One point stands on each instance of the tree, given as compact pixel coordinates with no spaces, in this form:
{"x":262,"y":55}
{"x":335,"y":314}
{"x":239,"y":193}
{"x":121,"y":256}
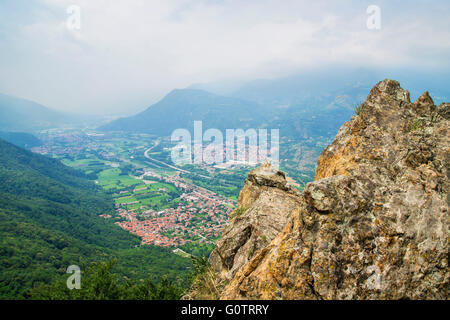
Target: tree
{"x":98,"y":282}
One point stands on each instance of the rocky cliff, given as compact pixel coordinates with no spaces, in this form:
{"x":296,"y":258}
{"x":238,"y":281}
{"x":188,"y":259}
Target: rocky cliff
{"x":264,"y":206}
{"x":372,"y":225}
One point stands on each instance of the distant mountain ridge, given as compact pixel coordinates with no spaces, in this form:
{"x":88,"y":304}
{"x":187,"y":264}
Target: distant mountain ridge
{"x":21,"y":139}
{"x":317,"y":102}
{"x":48,"y":220}
{"x":299,"y":116}
{"x":23,"y":115}
{"x":181,"y":107}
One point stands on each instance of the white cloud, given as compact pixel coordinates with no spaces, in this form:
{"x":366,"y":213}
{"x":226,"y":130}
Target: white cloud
{"x":128,"y":53}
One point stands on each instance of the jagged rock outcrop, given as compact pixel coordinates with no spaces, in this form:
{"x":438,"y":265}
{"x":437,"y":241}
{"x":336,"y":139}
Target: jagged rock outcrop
{"x":264,"y":205}
{"x":373,"y":224}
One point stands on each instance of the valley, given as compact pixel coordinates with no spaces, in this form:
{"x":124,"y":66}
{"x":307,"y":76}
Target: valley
{"x":163,"y":204}
{"x":153,"y":216}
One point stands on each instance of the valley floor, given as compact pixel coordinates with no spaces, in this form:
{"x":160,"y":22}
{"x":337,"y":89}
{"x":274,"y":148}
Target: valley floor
{"x":163,"y":206}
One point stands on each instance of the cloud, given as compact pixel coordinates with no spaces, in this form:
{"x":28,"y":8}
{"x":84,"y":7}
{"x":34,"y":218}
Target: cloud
{"x":128,"y":53}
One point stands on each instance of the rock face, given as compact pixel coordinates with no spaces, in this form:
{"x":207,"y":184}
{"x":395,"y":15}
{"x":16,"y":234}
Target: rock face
{"x":372,"y":225}
{"x":264,"y":205}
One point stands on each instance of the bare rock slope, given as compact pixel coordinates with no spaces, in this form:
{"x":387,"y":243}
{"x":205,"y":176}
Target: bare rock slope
{"x":373,"y":224}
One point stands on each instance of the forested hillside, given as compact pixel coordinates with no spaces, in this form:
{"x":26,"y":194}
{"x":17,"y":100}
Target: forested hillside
{"x":49,"y":220}
{"x":21,"y":139}
{"x":180,"y":108}
{"x":18,"y":114}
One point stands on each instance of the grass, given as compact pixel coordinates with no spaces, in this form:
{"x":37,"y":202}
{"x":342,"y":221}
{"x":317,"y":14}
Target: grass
{"x":157,"y":195}
{"x":417,"y":125}
{"x":111,"y":178}
{"x":357,"y":108}
{"x":160,"y":185}
{"x":151,"y":197}
{"x":204,"y":284}
{"x":238,"y":212}
{"x":125,"y":200}
{"x":90,"y":162}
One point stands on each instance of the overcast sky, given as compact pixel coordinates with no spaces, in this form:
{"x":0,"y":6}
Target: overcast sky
{"x":130,"y":53}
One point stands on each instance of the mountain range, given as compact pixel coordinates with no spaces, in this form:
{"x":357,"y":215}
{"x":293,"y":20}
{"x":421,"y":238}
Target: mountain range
{"x":311,"y":115}
{"x":181,"y":107}
{"x":22,"y":115}
{"x":303,"y":105}
{"x":21,"y":139}
{"x":307,"y":105}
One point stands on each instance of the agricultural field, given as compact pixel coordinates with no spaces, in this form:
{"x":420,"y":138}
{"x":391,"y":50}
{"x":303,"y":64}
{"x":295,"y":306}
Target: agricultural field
{"x":164,"y":205}
{"x":113,"y":179}
{"x":129,"y":192}
{"x":141,"y":197}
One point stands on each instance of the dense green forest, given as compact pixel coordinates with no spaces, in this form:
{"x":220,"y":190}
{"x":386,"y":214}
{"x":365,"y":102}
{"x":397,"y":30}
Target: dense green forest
{"x":49,"y":220}
{"x":21,"y":139}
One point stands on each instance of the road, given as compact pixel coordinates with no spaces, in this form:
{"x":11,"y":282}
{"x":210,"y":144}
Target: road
{"x":169,"y":165}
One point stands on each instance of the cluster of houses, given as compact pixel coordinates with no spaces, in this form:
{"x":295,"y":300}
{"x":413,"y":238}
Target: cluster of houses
{"x":249,"y":155}
{"x":200,"y":216}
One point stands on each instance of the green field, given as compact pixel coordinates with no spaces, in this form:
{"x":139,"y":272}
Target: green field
{"x":156,"y":196}
{"x":111,"y":178}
